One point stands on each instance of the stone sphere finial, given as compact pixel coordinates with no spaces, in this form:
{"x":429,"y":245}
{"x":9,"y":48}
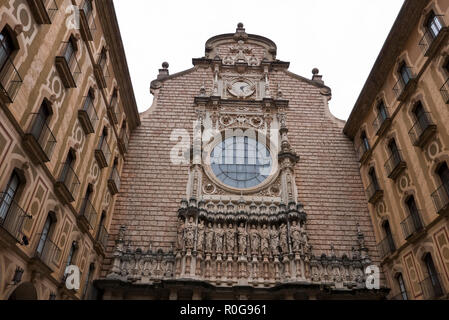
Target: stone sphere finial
{"x":165,"y":65}
{"x":240,"y":25}
{"x":315,"y":71}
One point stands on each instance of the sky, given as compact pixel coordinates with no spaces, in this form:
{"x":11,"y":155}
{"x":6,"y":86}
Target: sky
{"x":340,"y":38}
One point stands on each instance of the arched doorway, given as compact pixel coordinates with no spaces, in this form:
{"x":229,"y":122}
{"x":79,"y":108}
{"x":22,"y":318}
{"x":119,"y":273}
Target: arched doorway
{"x":25,"y":291}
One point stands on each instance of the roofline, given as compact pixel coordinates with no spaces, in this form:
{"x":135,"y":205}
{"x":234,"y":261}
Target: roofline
{"x":406,"y":20}
{"x":256,"y":37}
{"x":109,"y":23}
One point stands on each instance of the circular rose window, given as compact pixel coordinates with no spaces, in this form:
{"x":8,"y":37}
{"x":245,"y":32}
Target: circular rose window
{"x":241,"y":162}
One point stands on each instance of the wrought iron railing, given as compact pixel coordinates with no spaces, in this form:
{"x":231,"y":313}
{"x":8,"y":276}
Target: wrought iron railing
{"x":104,"y":148}
{"x":88,"y":212}
{"x":47,"y":251}
{"x":72,"y":61}
{"x":386,"y":247}
{"x":12,"y":217}
{"x":10,"y":79}
{"x":423,"y":123}
{"x":432,"y":287}
{"x":69,"y":179}
{"x":445,"y":91}
{"x":401,"y":84}
{"x":124,"y":138}
{"x":429,"y":37}
{"x":113,"y":109}
{"x":43,"y":134}
{"x":51,"y":7}
{"x":381,"y":119}
{"x":115,"y":178}
{"x":393,"y":162}
{"x":88,"y":12}
{"x":362,"y":150}
{"x":441,"y":197}
{"x":103,"y":237}
{"x":89,"y":109}
{"x":412,"y":224}
{"x":372,"y":190}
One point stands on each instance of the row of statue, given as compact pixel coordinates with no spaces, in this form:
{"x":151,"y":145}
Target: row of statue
{"x":242,"y":239}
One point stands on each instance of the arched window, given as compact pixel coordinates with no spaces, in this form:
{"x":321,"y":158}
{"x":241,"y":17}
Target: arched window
{"x":9,"y":195}
{"x":433,"y":25}
{"x":45,"y":235}
{"x":68,"y":165}
{"x":42,"y":120}
{"x":402,"y":287}
{"x":70,"y":51}
{"x":86,"y":204}
{"x":394,"y":151}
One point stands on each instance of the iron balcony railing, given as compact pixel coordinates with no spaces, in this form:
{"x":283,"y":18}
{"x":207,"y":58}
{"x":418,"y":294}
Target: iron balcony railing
{"x":386,"y":247}
{"x":441,"y":197}
{"x":51,"y":7}
{"x":445,"y":91}
{"x":124,"y":140}
{"x":393,"y":164}
{"x":69,"y":179}
{"x":114,"y":181}
{"x":103,"y":153}
{"x":10,"y":79}
{"x":429,"y":37}
{"x":88,"y":213}
{"x":43,"y":134}
{"x":12,"y":217}
{"x":432,"y":287}
{"x":381,"y":120}
{"x":86,"y":13}
{"x":362,"y":151}
{"x":373,"y":192}
{"x":43,"y":10}
{"x":412,"y":224}
{"x":113,"y":109}
{"x":88,"y":116}
{"x":401,"y":85}
{"x":422,"y":124}
{"x":103,"y":237}
{"x":72,"y":62}
{"x":47,"y":251}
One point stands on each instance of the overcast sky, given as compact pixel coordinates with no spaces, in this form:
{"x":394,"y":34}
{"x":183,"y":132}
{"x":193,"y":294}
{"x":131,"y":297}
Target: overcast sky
{"x":341,"y":38}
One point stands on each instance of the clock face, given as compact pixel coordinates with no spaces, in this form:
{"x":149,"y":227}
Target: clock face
{"x":241,"y":162}
{"x":242,"y":89}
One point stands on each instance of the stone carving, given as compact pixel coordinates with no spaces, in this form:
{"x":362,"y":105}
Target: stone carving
{"x":230,"y":239}
{"x":274,"y":241}
{"x":180,"y":235}
{"x":219,"y":234}
{"x":200,"y":236}
{"x":243,"y":239}
{"x":265,"y":240}
{"x":283,"y":238}
{"x":209,"y":238}
{"x":189,"y":234}
{"x":255,"y":240}
{"x":296,"y":237}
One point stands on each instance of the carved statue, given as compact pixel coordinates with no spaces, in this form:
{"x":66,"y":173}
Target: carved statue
{"x":274,"y":240}
{"x":219,"y":234}
{"x":230,"y":239}
{"x":180,"y":239}
{"x":265,"y":240}
{"x":296,"y":237}
{"x":200,"y":236}
{"x":243,"y":239}
{"x":255,"y":240}
{"x":283,"y":238}
{"x":189,"y":237}
{"x":209,"y":237}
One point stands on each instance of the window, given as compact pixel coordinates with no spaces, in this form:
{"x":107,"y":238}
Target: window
{"x":103,"y":138}
{"x":88,"y":280}
{"x":433,"y":25}
{"x":69,"y":53}
{"x":42,"y":120}
{"x":365,"y":141}
{"x":389,"y":236}
{"x":443,"y":174}
{"x":102,"y":222}
{"x":421,"y":116}
{"x":7,"y":47}
{"x":88,"y":8}
{"x":241,"y":162}
{"x":433,"y":275}
{"x":72,"y":252}
{"x":70,"y":160}
{"x":103,"y":59}
{"x":45,"y":234}
{"x":373,"y":178}
{"x":394,"y":151}
{"x":90,"y":98}
{"x":414,"y":212}
{"x":9,"y":195}
{"x":86,"y":200}
{"x":402,"y":287}
{"x":382,"y":111}
{"x":405,"y":74}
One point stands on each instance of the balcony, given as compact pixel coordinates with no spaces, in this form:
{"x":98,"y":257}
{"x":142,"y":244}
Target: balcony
{"x":113,"y":110}
{"x":68,"y":184}
{"x":403,"y":89}
{"x":88,"y":117}
{"x":43,"y":10}
{"x":102,"y":240}
{"x":114,"y":182}
{"x":382,"y":122}
{"x":12,"y":219}
{"x":386,"y":247}
{"x":363,"y":152}
{"x":10,"y":81}
{"x":123,"y":141}
{"x":374,"y":193}
{"x":432,"y":287}
{"x":441,"y":199}
{"x":429,"y":43}
{"x":412,"y":225}
{"x":103,"y":153}
{"x":68,"y":69}
{"x":87,"y":21}
{"x":39,"y":141}
{"x":87,"y":216}
{"x":422,"y":130}
{"x":395,"y":165}
{"x":47,"y":253}
{"x":445,"y":91}
{"x":102,"y":75}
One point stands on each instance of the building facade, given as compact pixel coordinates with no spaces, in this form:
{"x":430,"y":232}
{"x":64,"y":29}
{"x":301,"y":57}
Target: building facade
{"x":400,"y":129}
{"x":67,"y":109}
{"x":240,"y":184}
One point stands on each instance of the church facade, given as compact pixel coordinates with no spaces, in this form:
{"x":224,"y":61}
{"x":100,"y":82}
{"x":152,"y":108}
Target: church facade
{"x":240,"y":184}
